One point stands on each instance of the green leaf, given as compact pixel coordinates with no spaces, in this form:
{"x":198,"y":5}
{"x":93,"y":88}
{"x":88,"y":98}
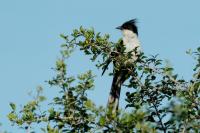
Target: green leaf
{"x":42,"y":98}
{"x":89,"y":104}
{"x":13,"y":106}
{"x":198,"y":49}
{"x":102,"y":120}
{"x":63,"y":36}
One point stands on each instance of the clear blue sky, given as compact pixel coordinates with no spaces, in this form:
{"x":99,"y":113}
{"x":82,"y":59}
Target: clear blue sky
{"x":30,"y":42}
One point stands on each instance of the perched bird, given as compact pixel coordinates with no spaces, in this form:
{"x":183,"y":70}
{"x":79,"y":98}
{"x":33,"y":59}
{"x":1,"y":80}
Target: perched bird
{"x":130,"y":43}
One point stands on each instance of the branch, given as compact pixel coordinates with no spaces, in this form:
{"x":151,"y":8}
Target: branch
{"x":160,"y":119}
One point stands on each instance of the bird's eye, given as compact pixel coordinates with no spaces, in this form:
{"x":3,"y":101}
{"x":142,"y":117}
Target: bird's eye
{"x":128,"y":27}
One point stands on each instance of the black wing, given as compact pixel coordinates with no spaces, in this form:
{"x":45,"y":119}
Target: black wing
{"x":117,"y":50}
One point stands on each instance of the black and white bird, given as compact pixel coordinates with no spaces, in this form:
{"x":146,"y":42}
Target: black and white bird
{"x":131,"y":43}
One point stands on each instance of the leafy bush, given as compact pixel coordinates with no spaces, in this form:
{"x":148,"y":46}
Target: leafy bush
{"x":158,"y":100}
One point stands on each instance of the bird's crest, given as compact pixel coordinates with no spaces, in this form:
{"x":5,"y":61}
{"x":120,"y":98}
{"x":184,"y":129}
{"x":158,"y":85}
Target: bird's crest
{"x":130,"y":25}
{"x":130,"y":22}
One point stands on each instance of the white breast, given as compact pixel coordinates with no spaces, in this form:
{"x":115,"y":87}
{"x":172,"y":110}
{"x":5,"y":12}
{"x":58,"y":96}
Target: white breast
{"x":130,"y":40}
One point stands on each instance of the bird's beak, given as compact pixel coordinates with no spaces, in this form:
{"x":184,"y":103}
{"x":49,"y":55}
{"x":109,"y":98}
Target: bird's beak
{"x":119,"y":28}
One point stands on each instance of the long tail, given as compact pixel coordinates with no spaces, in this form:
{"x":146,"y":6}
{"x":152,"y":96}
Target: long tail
{"x":113,"y":100}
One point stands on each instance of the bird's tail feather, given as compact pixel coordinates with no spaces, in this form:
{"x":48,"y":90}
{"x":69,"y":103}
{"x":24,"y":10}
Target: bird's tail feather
{"x":113,"y":100}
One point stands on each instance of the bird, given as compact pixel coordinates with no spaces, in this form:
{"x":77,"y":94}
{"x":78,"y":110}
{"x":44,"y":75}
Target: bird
{"x":129,"y":43}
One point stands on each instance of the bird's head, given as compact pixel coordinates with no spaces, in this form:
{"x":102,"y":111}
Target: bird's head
{"x":129,"y":26}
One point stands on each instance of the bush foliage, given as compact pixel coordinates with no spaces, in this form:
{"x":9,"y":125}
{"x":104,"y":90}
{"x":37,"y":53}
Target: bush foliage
{"x":158,"y":100}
